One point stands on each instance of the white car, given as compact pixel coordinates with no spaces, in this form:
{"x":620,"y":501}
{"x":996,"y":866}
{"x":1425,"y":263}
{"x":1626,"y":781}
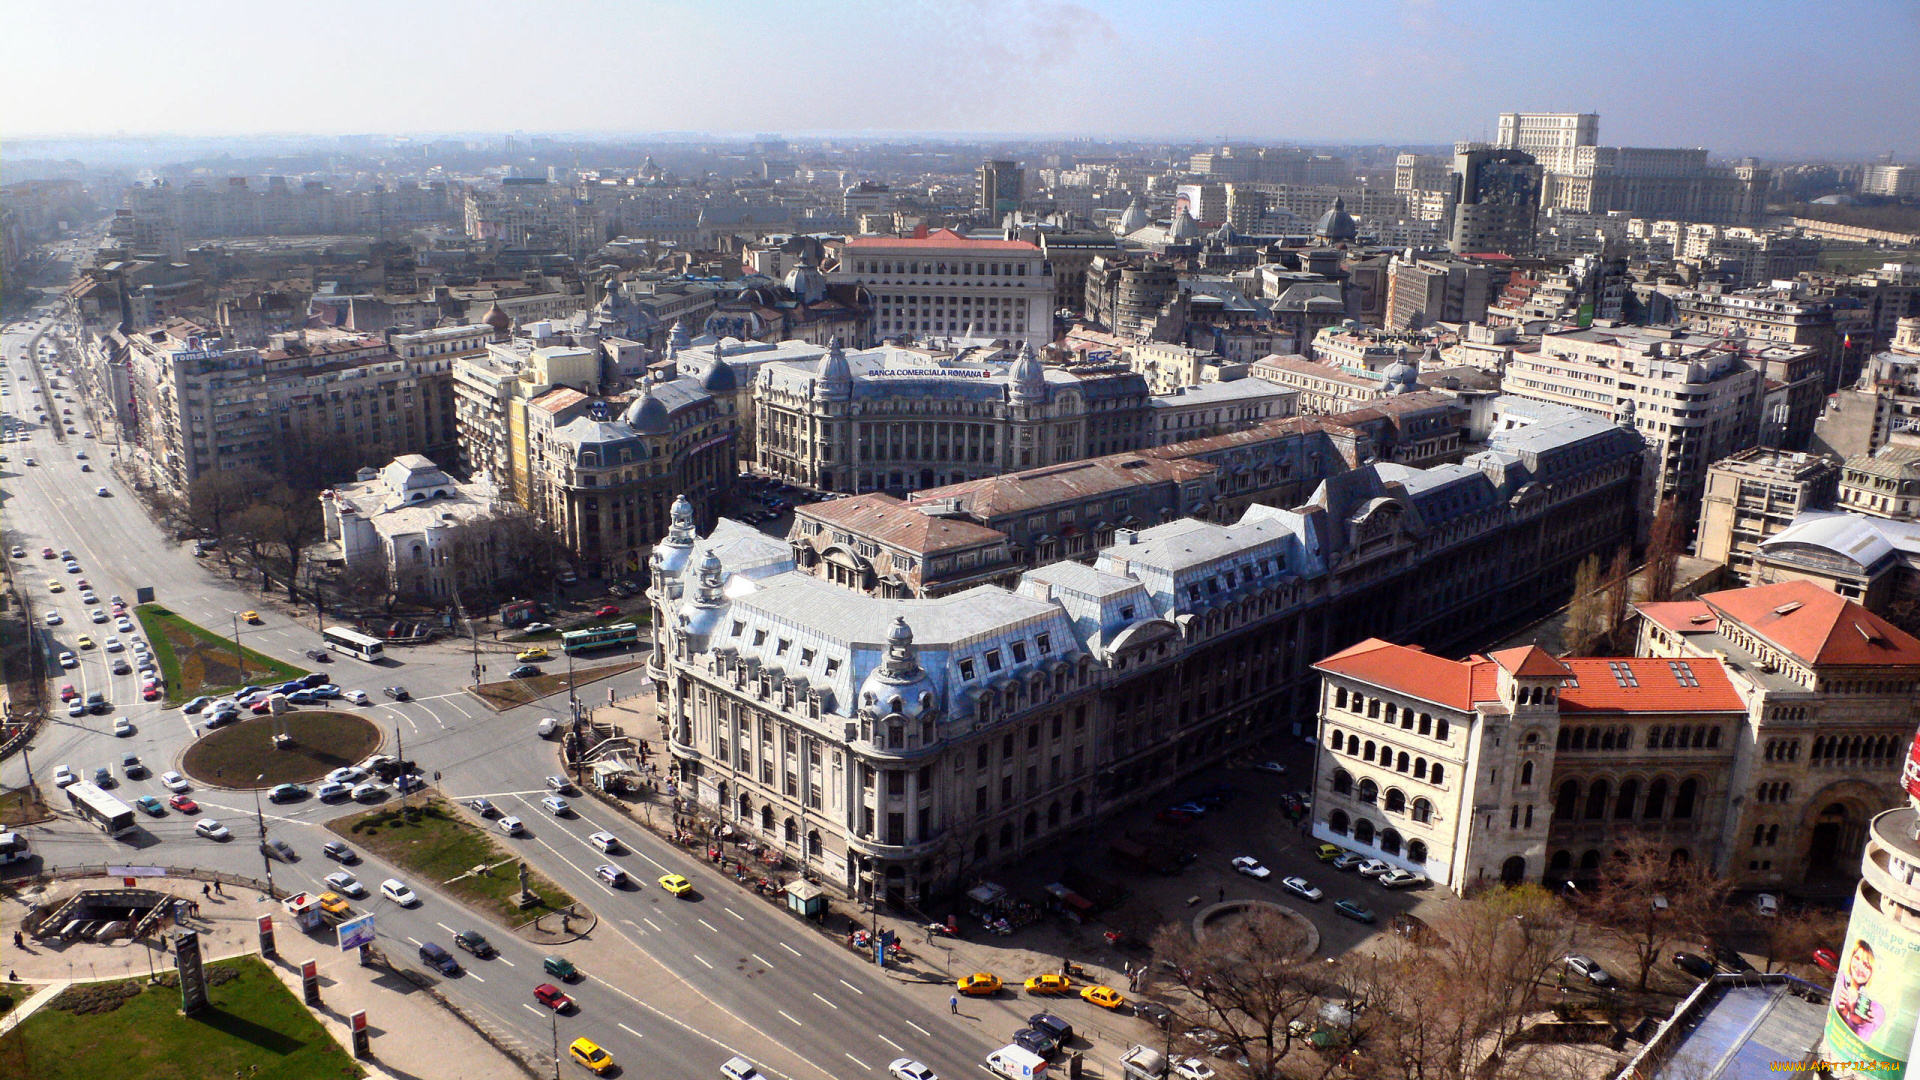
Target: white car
{"x":112,"y":644}
{"x":909,"y":1069}
{"x":54,"y":618}
{"x":173,"y":781}
{"x":396,"y":890}
{"x":1271,"y":766}
{"x":358,"y":697}
{"x":345,"y":884}
{"x":605,"y":841}
{"x":68,"y":660}
{"x":1372,"y":868}
{"x":511,"y":825}
{"x":1192,"y":1068}
{"x":557,"y":806}
{"x":97,"y":615}
{"x":211,"y":829}
{"x":1251,"y":867}
{"x":1301,"y":887}
{"x":612,"y":875}
{"x":346,"y":774}
{"x":1397,"y":878}
{"x":62,"y":776}
{"x":1767,"y":904}
{"x":100,"y":491}
{"x":369,"y":791}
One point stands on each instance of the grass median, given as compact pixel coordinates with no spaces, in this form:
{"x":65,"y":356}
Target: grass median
{"x":510,"y":693}
{"x":196,"y":661}
{"x":441,"y":849}
{"x":252,"y":1027}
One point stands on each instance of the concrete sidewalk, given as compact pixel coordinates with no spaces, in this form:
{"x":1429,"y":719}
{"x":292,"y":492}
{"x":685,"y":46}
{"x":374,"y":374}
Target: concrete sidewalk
{"x":32,"y":1004}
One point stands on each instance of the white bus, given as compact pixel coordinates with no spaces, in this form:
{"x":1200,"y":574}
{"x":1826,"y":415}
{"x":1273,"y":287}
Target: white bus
{"x":114,"y":817}
{"x":353,"y":643}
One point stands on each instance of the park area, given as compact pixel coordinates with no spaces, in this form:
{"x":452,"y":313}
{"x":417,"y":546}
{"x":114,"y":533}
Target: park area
{"x":253,"y":1027}
{"x":318,"y":743}
{"x":435,"y":845}
{"x":511,"y":693}
{"x":196,"y":661}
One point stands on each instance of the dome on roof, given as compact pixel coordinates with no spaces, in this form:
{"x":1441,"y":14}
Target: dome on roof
{"x":1403,"y":375}
{"x":806,"y":282}
{"x":1029,"y":377}
{"x":1183,"y":227}
{"x":648,"y":415}
{"x":835,"y":374}
{"x":719,"y":378}
{"x":497,"y":318}
{"x":1337,"y":224}
{"x":1133,"y":219}
{"x":899,"y":685}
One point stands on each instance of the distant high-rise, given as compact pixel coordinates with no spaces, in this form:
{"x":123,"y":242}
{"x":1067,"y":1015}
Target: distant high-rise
{"x":1545,"y":134}
{"x":1001,"y":185}
{"x":1496,"y":196}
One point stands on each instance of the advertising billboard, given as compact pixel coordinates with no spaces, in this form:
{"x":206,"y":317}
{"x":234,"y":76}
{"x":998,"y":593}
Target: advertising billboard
{"x":1875,"y":993}
{"x":356,"y":932}
{"x":1910,"y":776}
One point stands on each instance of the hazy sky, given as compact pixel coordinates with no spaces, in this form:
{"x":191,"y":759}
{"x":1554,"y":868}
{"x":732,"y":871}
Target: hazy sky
{"x":1824,"y":76}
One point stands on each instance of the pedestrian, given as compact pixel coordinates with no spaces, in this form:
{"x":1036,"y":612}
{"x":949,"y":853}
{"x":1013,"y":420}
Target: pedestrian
{"x":1223,"y":894}
{"x":206,"y":890}
{"x":953,"y":1003}
{"x":18,"y":941}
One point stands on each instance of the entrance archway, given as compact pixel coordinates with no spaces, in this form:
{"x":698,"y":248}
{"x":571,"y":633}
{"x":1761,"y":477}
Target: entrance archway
{"x":1835,"y":840}
{"x":1513,"y":871}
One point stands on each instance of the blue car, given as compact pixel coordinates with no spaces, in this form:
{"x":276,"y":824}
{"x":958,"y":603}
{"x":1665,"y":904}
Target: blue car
{"x":196,"y":705}
{"x":1196,"y":809}
{"x":325,"y":690}
{"x":290,"y":687}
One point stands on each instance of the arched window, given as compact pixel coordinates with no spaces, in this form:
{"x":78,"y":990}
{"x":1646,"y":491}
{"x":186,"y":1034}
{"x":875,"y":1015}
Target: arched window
{"x":766,"y":819}
{"x":1337,"y":822}
{"x":1417,"y":852}
{"x":1562,"y":860}
{"x":1526,"y":774}
{"x":1439,"y":774}
{"x":1420,"y":768}
{"x":1426,"y":724}
{"x":1422,"y":810}
{"x":1713,"y":736}
{"x":1653,"y":737}
{"x":1404,"y":761}
{"x":746,"y":808}
{"x":1342,"y":782}
{"x":790,"y":830}
{"x":1366,"y":753}
{"x":1369,"y":791}
{"x":1440,"y":730}
{"x":1623,"y":804}
{"x":1363,"y":831}
{"x":1596,"y":800}
{"x":1683,"y":800}
{"x":1396,"y":801}
{"x":1656,"y":801}
{"x":1390,"y":841}
{"x":1567,"y":800}
{"x":1590,"y":861}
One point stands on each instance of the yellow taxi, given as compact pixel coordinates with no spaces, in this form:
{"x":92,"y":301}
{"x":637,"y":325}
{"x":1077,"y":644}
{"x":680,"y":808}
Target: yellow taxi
{"x":676,"y":884}
{"x":1049,"y":984}
{"x":85,"y":641}
{"x":534,"y":653}
{"x":1104,"y":996}
{"x":1328,"y":852}
{"x":54,"y":586}
{"x":588,"y":1053}
{"x":979,"y":984}
{"x":250,"y":616}
{"x":335,"y":904}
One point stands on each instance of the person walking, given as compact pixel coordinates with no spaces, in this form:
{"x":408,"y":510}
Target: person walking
{"x":953,"y":1004}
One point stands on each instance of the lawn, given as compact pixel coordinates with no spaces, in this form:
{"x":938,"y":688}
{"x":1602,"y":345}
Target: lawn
{"x":232,"y":756}
{"x":18,"y":807}
{"x":254,"y":1028}
{"x":509,"y":693}
{"x":437,"y":846}
{"x":195,"y":660}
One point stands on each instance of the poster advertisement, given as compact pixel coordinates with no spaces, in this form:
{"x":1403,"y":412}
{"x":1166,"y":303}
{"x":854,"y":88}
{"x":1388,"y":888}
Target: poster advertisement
{"x":1875,"y":993}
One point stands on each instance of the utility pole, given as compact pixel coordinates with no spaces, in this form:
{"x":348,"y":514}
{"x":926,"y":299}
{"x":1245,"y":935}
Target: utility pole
{"x":553,"y":1019}
{"x":260,"y":819}
{"x":400,"y":751}
{"x":239,"y":657}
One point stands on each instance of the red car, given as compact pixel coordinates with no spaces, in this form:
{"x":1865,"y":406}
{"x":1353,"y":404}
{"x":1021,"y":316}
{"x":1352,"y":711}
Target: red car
{"x":67,"y":692}
{"x":607,"y":612}
{"x":262,"y":707}
{"x":1173,"y":816}
{"x":151,"y":693}
{"x":46,"y":553}
{"x":184,"y":804}
{"x":82,"y":585}
{"x":549,"y":995}
{"x":1827,"y":959}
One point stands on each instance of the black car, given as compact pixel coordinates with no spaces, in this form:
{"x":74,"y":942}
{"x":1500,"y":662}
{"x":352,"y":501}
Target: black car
{"x":1693,"y":964}
{"x":1061,"y":1031}
{"x":1154,"y":1013}
{"x":397,"y":693}
{"x":318,"y":678}
{"x":474,"y":942}
{"x":439,"y":959}
{"x":1035,"y":1040}
{"x":338,"y":850}
{"x":319,"y":656}
{"x":1730,"y":959}
{"x":524,"y":671}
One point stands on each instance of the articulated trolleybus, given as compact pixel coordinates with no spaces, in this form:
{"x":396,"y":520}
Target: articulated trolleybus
{"x":114,"y":817}
{"x":617,"y":636}
{"x":353,"y":643}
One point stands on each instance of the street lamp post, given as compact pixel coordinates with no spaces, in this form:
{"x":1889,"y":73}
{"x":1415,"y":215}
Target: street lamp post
{"x":239,"y":657}
{"x":260,"y":819}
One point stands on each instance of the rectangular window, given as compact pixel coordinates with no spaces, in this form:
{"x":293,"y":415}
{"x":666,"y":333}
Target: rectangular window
{"x":1006,"y":790}
{"x":1019,"y":652}
{"x":1045,"y":643}
{"x":980,"y":799}
{"x":993,"y":659}
{"x":966,"y":669}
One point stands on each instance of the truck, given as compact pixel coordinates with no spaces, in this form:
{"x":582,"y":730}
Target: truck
{"x":13,"y":848}
{"x":1017,"y":1063}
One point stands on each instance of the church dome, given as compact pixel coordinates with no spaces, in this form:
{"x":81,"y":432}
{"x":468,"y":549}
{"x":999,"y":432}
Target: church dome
{"x":498,"y":319}
{"x":1337,"y":224}
{"x":899,"y":685}
{"x":1133,"y":219}
{"x":648,"y":416}
{"x":836,"y":375}
{"x":719,"y":378}
{"x":1183,"y":227}
{"x":805,"y":281}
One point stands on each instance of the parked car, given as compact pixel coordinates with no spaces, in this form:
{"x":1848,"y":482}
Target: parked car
{"x":1372,"y":868}
{"x":1348,"y":860}
{"x":524,"y":671}
{"x":1766,"y":905}
{"x":1397,"y":878}
{"x":1693,"y":964}
{"x":1271,"y":766}
{"x":482,"y":805}
{"x":1355,"y":910}
{"x":606,"y":611}
{"x":1586,"y":967}
{"x":1301,"y":887}
{"x":1250,"y":866}
{"x":330,"y":791}
{"x":287,"y":793}
{"x":978,"y":984}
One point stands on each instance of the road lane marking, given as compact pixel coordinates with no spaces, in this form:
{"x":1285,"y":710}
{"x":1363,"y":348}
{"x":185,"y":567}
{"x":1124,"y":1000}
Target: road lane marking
{"x":709,"y":925}
{"x":857,"y":1061}
{"x":703,"y":960}
{"x":734,"y":913}
{"x":505,"y":961}
{"x":651,"y":923}
{"x":530,"y":1009}
{"x":416,"y":944}
{"x":824,"y":1001}
{"x":853,"y":988}
{"x":783,"y":1012}
{"x":629,"y":1030}
{"x":474,"y":977}
{"x":760,"y":958}
{"x":918,"y":1028}
{"x":790,"y":948}
{"x":443,"y":926}
{"x":891,"y":1043}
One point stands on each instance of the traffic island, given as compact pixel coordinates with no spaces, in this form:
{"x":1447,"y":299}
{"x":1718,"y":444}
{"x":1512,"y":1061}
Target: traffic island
{"x":513,"y":693}
{"x":317,"y":743}
{"x":435,"y":844}
{"x":194,"y":660}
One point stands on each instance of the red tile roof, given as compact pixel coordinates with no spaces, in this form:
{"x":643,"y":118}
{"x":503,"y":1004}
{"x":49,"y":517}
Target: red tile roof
{"x":941,"y":238}
{"x":1529,"y":661}
{"x":1412,"y":672}
{"x":1816,"y":626}
{"x":1641,"y":684}
{"x":884,"y":519}
{"x":1681,"y":616}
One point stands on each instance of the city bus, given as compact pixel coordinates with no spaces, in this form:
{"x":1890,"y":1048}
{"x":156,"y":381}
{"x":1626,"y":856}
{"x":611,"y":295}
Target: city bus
{"x":114,"y":817}
{"x":353,"y":643}
{"x":617,"y":636}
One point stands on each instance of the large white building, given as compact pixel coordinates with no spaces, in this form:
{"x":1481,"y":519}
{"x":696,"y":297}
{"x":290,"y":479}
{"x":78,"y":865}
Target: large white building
{"x":947,"y":286}
{"x":404,"y":521}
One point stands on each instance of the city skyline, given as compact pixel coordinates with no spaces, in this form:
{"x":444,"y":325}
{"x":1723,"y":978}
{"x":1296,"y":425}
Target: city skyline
{"x":1439,"y":72}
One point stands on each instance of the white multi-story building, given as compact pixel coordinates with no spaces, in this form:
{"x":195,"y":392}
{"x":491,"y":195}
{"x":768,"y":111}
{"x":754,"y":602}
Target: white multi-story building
{"x":404,"y":521}
{"x":1547,"y":134}
{"x":947,"y":286}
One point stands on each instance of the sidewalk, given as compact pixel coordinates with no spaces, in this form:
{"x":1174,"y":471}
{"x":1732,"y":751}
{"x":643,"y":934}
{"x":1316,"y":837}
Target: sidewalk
{"x":436,"y":1042}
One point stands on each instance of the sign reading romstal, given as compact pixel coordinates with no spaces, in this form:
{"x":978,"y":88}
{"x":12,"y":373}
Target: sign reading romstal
{"x":356,"y":932}
{"x":193,"y":976}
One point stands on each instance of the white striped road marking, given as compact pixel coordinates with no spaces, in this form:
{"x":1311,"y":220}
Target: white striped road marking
{"x":734,"y":913}
{"x":709,"y":925}
{"x":790,"y":948}
{"x":919,"y":1029}
{"x":416,"y":944}
{"x":474,"y":977}
{"x":760,"y":958}
{"x":703,"y":960}
{"x":783,"y":1012}
{"x":444,"y":926}
{"x":857,"y":1061}
{"x":825,"y":1001}
{"x":455,"y":702}
{"x":853,"y":988}
{"x":630,"y":1031}
{"x":504,"y":960}
{"x":891,"y":1043}
{"x":651,"y":923}
{"x":531,"y":1009}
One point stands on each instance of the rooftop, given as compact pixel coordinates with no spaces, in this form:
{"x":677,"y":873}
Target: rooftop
{"x":1816,"y":626}
{"x":886,"y":520}
{"x":1012,"y":493}
{"x":940,"y":238}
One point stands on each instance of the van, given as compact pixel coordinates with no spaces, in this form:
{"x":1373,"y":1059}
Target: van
{"x":439,"y":959}
{"x":1017,"y":1063}
{"x":559,"y":967}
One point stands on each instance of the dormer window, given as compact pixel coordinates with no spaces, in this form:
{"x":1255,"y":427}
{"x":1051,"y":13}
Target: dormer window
{"x":966,"y":669}
{"x":993,"y":659}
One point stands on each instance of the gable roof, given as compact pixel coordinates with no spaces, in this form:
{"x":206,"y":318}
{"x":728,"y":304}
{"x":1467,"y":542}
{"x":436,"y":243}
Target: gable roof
{"x":1644,"y":684}
{"x":1816,"y":626}
{"x":1529,"y":661}
{"x":885,"y":519}
{"x":1413,"y":672}
{"x":941,"y":238}
{"x":1681,"y":616}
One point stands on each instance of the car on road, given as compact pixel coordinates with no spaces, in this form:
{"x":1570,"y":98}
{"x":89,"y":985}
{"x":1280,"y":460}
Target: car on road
{"x":1353,"y":909}
{"x":606,"y":611}
{"x":319,"y":656}
{"x":329,"y":791}
{"x":62,"y":776}
{"x":1034,"y":1040}
{"x":123,"y":727}
{"x":560,"y":968}
{"x":19,"y":552}
{"x":68,"y":660}
{"x":559,"y":785}
{"x":287,"y":793}
{"x":978,"y":984}
{"x":1302,"y":888}
{"x":1348,"y":860}
{"x":396,"y":890}
{"x":527,"y":656}
{"x":102,"y":492}
{"x":1397,"y":878}
{"x":347,"y":774}
{"x":675,"y":884}
{"x":103,"y":777}
{"x":1192,"y":1068}
{"x":483,"y":806}
{"x":1250,"y":866}
{"x":1049,"y":984}
{"x":212,"y":829}
{"x":512,"y":826}
{"x":173,"y":781}
{"x":1104,"y":996}
{"x":85,"y":641}
{"x":438,"y":959}
{"x":524,"y":671}
{"x":1372,"y":868}
{"x":250,"y":616}
{"x":605,"y":841}
{"x":151,"y":805}
{"x":1271,"y":766}
{"x":183,"y":804}
{"x":557,"y":806}
{"x":277,"y":848}
{"x":78,"y":708}
{"x":474,"y":942}
{"x":56,"y":585}
{"x":334,"y":904}
{"x":536,"y":628}
{"x":345,"y":884}
{"x":358,"y":697}
{"x":552,"y":997}
{"x":613,"y":876}
{"x":48,"y":553}
{"x":338,"y":851}
{"x":196,"y":705}
{"x":909,"y":1069}
{"x":1693,"y":964}
{"x":132,"y":766}
{"x":397,"y":693}
{"x":1589,"y":969}
{"x":590,"y":1054}
{"x":324,"y":692}
{"x":739,"y":1068}
{"x":369,"y":791}
{"x":54,"y":618}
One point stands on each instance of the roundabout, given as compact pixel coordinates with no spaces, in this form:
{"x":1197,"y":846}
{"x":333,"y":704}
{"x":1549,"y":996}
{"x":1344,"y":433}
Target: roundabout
{"x":1229,"y":916}
{"x":318,"y":742}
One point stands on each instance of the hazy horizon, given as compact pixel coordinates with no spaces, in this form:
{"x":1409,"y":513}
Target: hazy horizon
{"x":1770,"y":78}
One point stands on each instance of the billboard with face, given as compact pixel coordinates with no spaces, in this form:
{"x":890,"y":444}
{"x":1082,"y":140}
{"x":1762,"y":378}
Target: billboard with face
{"x":1876,"y":991}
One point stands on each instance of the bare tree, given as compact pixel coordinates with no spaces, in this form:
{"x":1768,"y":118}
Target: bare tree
{"x":1619,"y":595}
{"x":1586,"y":611}
{"x":295,"y":524}
{"x":366,"y":583}
{"x":1663,"y":552}
{"x":1650,"y":904}
{"x":213,"y":498}
{"x":1792,"y":935}
{"x":1249,"y":979}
